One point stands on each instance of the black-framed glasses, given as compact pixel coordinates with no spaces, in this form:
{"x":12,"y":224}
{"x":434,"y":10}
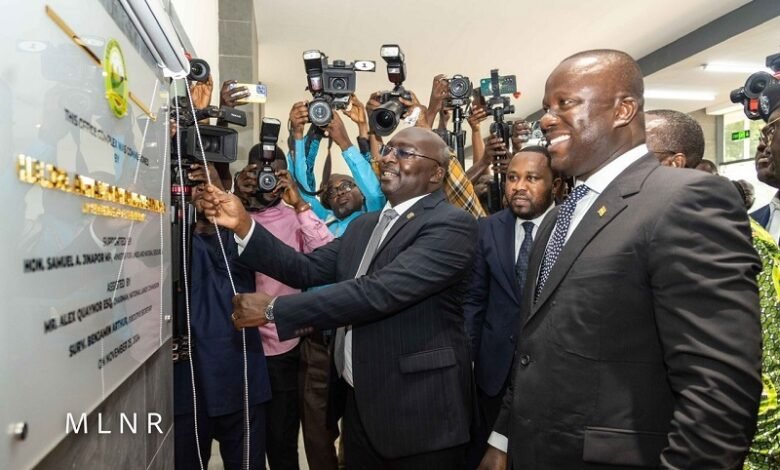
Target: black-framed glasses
{"x":402,"y":154}
{"x":346,"y":186}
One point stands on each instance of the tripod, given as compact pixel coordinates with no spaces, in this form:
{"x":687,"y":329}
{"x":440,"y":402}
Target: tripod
{"x":458,"y":134}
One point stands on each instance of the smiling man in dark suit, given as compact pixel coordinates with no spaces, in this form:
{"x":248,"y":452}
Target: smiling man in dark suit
{"x":492,"y":306}
{"x":640,"y":343}
{"x":399,"y":279}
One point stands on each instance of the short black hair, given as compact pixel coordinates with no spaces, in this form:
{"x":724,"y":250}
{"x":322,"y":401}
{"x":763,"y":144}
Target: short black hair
{"x":708,"y":166}
{"x":680,"y":133}
{"x":536,"y":149}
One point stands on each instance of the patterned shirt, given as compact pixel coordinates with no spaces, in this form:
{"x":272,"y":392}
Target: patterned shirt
{"x":764,"y":453}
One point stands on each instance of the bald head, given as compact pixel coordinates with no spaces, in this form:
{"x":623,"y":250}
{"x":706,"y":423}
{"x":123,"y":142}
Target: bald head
{"x":594,"y":102}
{"x":434,"y":146}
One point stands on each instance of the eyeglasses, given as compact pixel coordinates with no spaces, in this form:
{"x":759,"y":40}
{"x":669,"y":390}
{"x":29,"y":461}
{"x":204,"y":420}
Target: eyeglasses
{"x":769,"y":130}
{"x":346,"y":186}
{"x":402,"y":154}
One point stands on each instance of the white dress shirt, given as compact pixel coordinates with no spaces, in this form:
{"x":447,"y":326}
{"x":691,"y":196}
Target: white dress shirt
{"x":597,"y":183}
{"x":773,"y":223}
{"x":400,"y":209}
{"x":520,"y":231}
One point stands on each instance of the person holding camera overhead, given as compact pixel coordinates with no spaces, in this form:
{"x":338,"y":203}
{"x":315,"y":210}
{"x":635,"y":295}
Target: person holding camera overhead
{"x":290,"y":219}
{"x":344,"y":197}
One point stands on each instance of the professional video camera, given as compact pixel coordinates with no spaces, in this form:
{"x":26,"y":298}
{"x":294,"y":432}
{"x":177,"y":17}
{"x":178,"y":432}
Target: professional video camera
{"x":750,"y":94}
{"x":385,"y":118}
{"x":220,"y":144}
{"x":330,"y":84}
{"x":496,"y":90}
{"x":269,"y":135}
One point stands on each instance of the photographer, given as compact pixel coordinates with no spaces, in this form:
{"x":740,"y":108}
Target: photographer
{"x":457,"y":187}
{"x":289,"y":218}
{"x":217,"y":355}
{"x":337,"y":215}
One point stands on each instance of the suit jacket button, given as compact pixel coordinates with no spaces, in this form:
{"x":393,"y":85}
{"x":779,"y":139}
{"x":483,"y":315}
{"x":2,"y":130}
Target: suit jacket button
{"x":525,"y":359}
{"x":512,"y":339}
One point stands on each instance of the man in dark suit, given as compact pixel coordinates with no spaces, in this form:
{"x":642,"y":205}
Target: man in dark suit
{"x":765,"y":174}
{"x":492,"y":306}
{"x":640,"y":344}
{"x":400,"y":283}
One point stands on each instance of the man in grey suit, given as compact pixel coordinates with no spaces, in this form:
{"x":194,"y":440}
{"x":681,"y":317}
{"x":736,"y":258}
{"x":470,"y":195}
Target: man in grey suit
{"x":399,"y":280}
{"x":641,"y":342}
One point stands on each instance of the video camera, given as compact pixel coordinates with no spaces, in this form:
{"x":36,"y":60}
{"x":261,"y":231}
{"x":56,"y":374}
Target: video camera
{"x":750,"y":94}
{"x":331,"y":84}
{"x":220,"y":144}
{"x":385,"y":118}
{"x":269,"y":135}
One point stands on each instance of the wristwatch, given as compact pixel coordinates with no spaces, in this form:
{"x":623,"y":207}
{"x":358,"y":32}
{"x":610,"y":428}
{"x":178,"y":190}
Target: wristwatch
{"x":269,"y":311}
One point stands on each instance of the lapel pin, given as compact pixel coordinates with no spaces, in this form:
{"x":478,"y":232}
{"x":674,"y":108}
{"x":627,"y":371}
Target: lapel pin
{"x":410,"y":216}
{"x":602,"y":210}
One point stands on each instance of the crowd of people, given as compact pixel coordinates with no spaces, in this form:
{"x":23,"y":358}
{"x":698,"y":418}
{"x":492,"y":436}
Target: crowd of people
{"x":620,"y":309}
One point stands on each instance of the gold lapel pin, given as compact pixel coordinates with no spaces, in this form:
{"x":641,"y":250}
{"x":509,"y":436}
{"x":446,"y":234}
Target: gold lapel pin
{"x":602,"y":210}
{"x":410,"y":216}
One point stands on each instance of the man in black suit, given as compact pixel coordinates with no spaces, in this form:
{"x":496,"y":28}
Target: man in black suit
{"x":400,"y":281}
{"x":492,"y":306}
{"x":765,"y":173}
{"x":640,"y":343}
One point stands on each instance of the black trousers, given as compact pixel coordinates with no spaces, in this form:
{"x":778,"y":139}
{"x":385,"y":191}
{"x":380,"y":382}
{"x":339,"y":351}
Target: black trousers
{"x":228,"y":430}
{"x":489,"y":407}
{"x":318,"y":438}
{"x":360,"y":455}
{"x":283,"y":418}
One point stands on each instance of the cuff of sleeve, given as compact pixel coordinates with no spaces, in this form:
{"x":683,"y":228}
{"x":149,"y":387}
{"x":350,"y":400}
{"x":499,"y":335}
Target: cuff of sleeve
{"x":242,"y":242}
{"x":498,"y":441}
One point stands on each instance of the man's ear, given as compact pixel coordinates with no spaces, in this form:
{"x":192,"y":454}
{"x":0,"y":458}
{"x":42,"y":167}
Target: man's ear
{"x":626,"y":110}
{"x":438,"y":176}
{"x":556,"y":184}
{"x":678,"y":160}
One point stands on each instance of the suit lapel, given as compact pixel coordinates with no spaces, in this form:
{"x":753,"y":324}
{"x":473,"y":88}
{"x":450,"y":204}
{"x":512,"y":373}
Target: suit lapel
{"x":415,"y":211}
{"x":504,"y":238}
{"x":613,"y":202}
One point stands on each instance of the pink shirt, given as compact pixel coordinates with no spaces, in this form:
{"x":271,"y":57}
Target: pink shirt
{"x":304,"y":232}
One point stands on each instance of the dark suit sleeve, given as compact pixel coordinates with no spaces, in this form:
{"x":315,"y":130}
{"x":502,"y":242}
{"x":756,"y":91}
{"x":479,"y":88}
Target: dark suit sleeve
{"x":266,"y":254}
{"x":702,"y":270}
{"x":475,"y":303}
{"x":438,"y":257}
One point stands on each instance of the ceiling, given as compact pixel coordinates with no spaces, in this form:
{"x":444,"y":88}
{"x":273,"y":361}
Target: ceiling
{"x":524,"y":38}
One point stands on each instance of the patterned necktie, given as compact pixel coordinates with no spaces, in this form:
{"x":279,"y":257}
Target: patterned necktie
{"x":521,"y":265}
{"x":373,"y":243}
{"x":558,"y":239}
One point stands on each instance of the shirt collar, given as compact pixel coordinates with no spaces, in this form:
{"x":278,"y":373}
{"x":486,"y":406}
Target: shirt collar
{"x":598,"y":181}
{"x":402,"y":207}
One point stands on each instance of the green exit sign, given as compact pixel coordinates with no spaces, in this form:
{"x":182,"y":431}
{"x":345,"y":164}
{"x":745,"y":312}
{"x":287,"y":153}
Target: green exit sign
{"x":740,"y":135}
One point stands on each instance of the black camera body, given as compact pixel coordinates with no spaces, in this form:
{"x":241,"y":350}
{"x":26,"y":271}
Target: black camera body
{"x":385,"y":118}
{"x":749,"y":95}
{"x":269,"y":136}
{"x":459,"y":90}
{"x":331,"y":84}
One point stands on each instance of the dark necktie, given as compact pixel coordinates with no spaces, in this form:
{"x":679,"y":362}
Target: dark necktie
{"x":521,"y":265}
{"x":373,"y":243}
{"x":558,"y":239}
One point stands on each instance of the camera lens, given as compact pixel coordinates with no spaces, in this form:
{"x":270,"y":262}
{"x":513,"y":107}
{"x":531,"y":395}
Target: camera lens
{"x":756,"y":83}
{"x":338,"y":83}
{"x":385,"y":118}
{"x":320,"y":113}
{"x":266,"y":180}
{"x":460,"y":87}
{"x":199,"y":70}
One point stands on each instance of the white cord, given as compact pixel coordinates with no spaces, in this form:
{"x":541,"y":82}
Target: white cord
{"x":232,"y":285}
{"x":184,"y":222}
